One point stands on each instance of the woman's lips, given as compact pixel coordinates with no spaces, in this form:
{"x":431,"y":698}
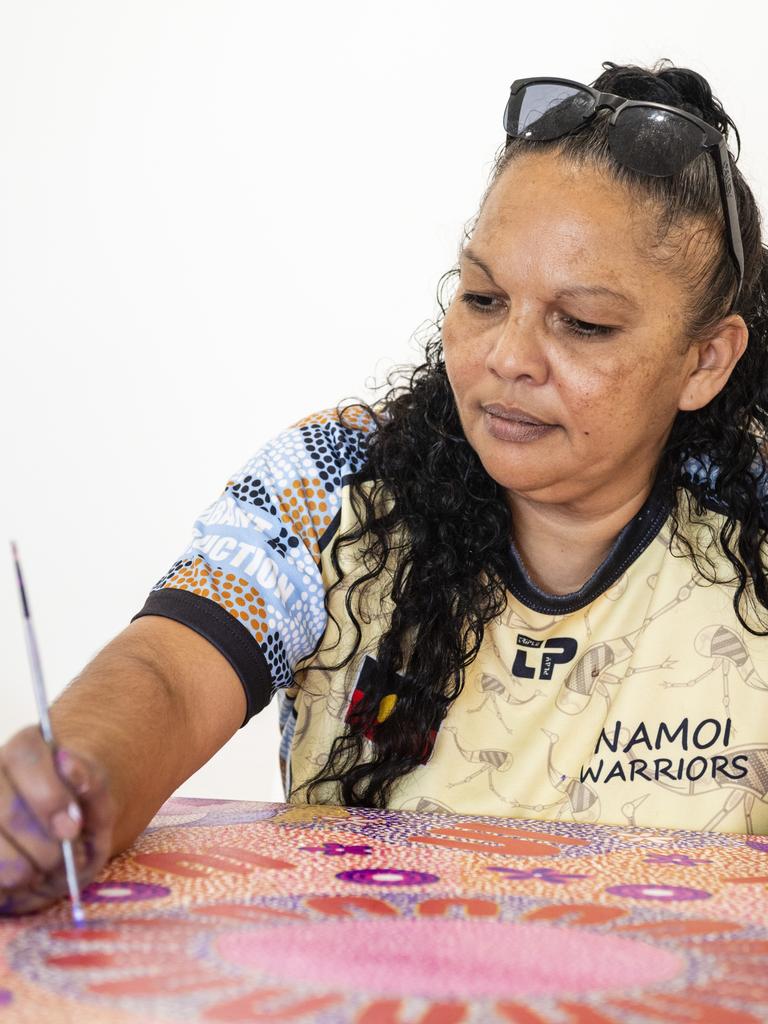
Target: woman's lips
{"x":515,"y":430}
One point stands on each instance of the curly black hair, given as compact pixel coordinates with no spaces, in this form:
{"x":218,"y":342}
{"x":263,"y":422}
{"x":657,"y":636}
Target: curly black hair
{"x":453,"y":514}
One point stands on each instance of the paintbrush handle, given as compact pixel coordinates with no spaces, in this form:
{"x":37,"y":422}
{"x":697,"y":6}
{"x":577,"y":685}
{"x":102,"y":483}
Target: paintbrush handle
{"x":38,"y":684}
{"x":78,"y":915}
{"x":41,"y":700}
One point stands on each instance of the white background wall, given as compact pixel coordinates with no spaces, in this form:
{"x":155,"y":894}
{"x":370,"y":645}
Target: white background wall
{"x":216,"y":217}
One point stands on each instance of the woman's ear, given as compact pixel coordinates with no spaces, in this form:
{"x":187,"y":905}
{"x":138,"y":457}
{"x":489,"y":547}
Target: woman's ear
{"x":716,"y":357}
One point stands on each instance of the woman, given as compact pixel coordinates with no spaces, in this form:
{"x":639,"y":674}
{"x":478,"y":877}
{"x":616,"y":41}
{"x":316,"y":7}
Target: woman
{"x":531,"y":581}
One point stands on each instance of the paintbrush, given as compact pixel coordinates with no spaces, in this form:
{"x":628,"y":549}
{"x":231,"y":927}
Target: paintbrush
{"x":78,"y":915}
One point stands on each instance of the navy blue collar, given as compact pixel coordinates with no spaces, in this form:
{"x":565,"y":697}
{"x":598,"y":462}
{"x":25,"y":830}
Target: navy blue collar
{"x":633,"y":539}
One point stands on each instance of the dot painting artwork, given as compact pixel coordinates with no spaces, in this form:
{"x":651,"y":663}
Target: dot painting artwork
{"x":236,"y":912}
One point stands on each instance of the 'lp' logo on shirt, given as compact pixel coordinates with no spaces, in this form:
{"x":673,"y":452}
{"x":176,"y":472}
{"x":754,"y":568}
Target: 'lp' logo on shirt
{"x":542,"y":654}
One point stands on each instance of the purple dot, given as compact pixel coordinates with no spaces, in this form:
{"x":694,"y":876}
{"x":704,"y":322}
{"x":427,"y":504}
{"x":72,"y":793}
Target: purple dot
{"x":755,"y":844}
{"x":387,"y":876}
{"x":658,"y":892}
{"x":123,"y":892}
{"x":6,"y":996}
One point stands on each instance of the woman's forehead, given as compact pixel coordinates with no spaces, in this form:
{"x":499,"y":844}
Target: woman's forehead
{"x":572,"y":229}
{"x":572,"y":207}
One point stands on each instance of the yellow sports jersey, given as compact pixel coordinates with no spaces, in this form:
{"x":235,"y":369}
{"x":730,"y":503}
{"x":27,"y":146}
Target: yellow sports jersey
{"x":639,"y":699}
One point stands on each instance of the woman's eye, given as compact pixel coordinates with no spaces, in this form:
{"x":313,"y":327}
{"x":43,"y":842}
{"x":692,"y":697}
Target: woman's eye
{"x":477,"y":302}
{"x":583,"y":329}
{"x":483,"y":304}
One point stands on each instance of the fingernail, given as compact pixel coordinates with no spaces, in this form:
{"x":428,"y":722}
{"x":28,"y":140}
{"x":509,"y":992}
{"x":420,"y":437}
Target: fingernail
{"x":62,"y":826}
{"x":72,"y":771}
{"x":64,"y":761}
{"x":66,"y":824}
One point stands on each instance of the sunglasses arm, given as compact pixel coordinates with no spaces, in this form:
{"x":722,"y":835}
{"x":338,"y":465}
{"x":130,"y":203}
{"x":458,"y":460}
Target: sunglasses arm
{"x":726,"y":185}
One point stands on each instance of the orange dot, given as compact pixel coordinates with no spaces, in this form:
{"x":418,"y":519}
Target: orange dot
{"x":240,"y":601}
{"x":238,"y":590}
{"x":230,"y":576}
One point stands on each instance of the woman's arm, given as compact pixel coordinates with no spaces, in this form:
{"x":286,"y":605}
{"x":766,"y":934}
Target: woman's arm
{"x":153,"y":706}
{"x":149,"y":709}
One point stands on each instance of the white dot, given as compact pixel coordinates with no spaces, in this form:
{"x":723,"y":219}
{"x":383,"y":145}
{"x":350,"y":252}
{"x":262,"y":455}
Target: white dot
{"x":383,"y":876}
{"x":657,"y":892}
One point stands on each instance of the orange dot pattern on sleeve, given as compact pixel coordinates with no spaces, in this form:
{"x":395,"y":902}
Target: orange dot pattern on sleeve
{"x":231,"y":591}
{"x":304,"y":505}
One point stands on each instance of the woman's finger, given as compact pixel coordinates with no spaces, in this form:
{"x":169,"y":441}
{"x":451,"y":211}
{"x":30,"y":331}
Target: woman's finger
{"x":38,"y":807}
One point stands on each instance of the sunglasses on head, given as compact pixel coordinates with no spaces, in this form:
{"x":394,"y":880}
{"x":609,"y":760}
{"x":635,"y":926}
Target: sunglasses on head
{"x":652,"y":138}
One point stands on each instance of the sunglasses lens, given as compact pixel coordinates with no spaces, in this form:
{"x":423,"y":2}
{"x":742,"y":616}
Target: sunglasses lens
{"x":546,"y":110}
{"x":654,"y":141}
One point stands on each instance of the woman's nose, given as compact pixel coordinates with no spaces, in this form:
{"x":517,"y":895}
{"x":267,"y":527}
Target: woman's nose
{"x":516,"y":350}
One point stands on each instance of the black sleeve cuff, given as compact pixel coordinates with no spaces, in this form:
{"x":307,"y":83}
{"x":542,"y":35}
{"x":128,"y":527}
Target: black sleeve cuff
{"x":226,"y":633}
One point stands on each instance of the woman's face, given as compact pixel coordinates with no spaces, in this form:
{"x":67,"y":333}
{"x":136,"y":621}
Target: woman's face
{"x":547,"y":234}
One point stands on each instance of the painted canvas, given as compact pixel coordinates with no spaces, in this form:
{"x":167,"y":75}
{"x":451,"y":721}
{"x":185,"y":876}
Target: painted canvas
{"x":234,"y":912}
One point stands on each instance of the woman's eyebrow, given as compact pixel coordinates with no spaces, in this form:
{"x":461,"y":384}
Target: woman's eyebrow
{"x":575,"y":291}
{"x":468,"y":254}
{"x":598,"y":290}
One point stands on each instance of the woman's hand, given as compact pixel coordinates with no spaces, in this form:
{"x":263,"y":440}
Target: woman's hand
{"x":45,"y":798}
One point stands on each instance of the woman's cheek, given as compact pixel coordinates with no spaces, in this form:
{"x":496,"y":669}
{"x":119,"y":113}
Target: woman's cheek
{"x":464,"y":354}
{"x":451,"y":353}
{"x":598,"y":385}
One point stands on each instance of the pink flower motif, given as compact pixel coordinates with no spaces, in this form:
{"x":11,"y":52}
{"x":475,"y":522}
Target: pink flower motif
{"x":338,"y":849}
